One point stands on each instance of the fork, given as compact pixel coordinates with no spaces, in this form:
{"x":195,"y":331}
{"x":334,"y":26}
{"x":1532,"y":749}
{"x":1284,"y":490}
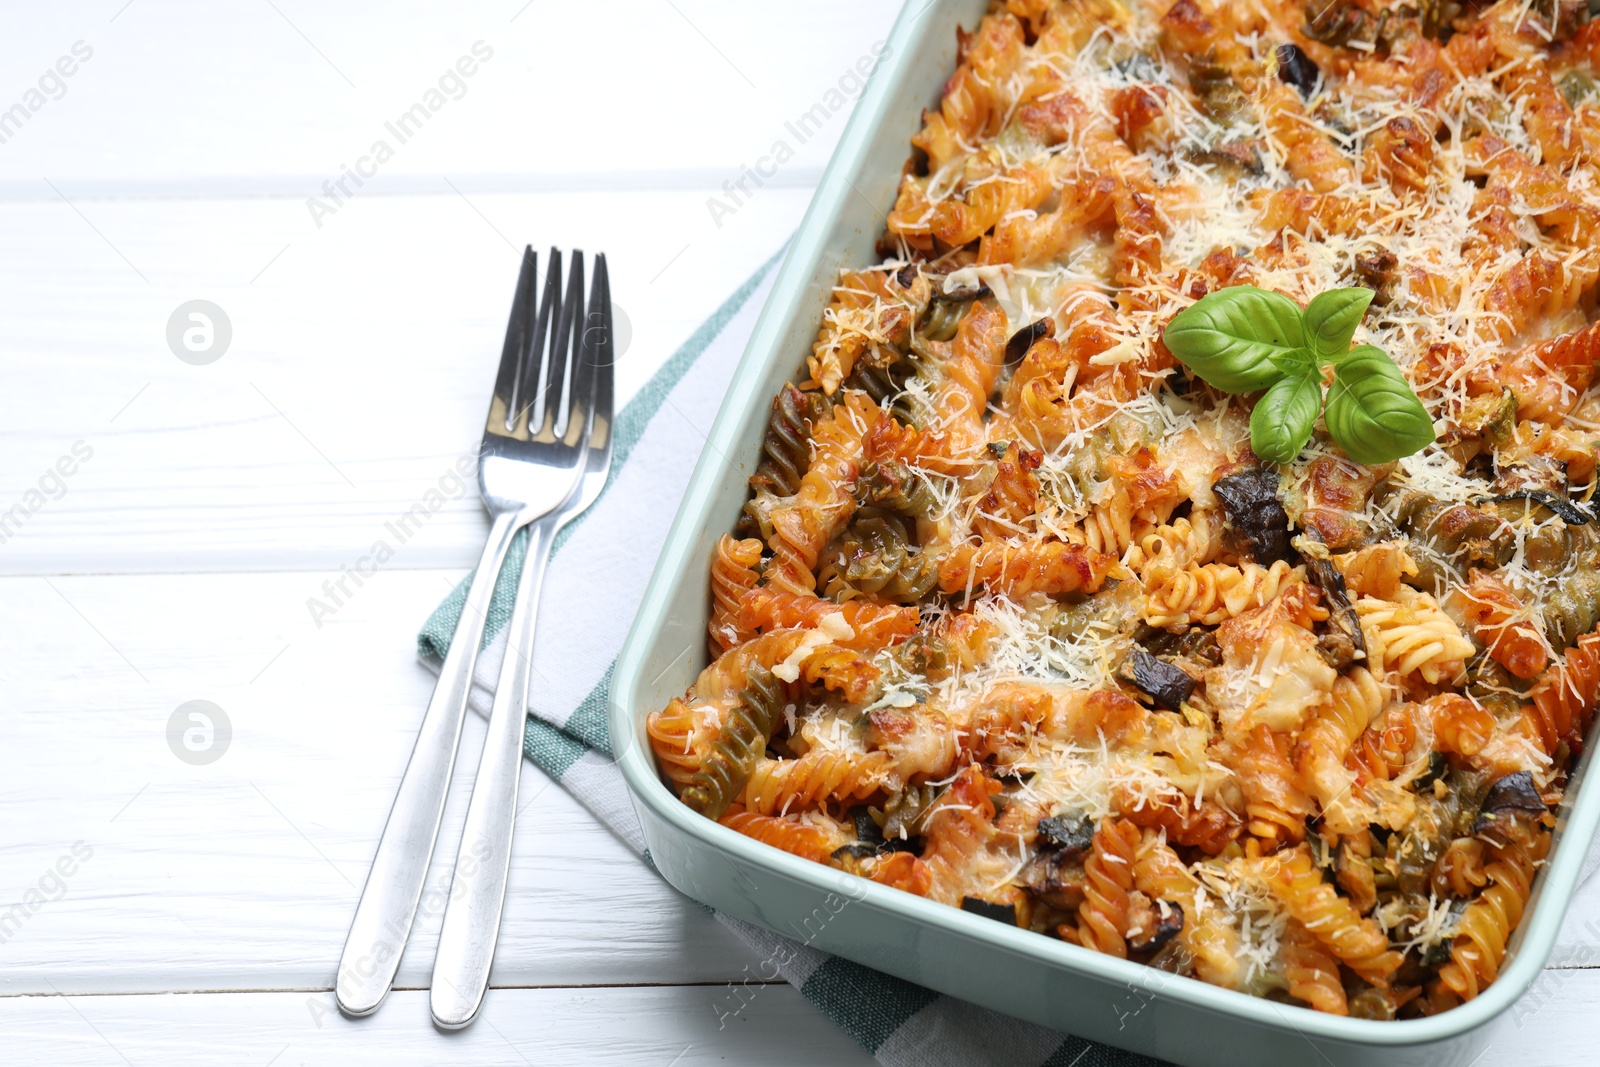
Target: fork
{"x":532,"y":458}
{"x":472,"y":915}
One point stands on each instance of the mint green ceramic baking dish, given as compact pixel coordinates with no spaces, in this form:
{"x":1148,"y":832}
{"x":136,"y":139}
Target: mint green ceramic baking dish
{"x":1012,"y":970}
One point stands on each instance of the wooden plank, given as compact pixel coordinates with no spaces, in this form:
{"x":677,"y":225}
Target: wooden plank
{"x":1578,"y":944}
{"x":243,"y":874}
{"x":275,"y":99}
{"x":1551,"y":1026}
{"x":357,"y":374}
{"x":672,"y":1026}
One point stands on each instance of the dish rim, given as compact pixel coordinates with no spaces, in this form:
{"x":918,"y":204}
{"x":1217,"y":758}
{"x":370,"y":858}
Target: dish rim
{"x":1578,"y":814}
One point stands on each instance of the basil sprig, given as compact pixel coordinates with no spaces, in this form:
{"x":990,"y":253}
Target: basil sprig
{"x":1245,"y":339}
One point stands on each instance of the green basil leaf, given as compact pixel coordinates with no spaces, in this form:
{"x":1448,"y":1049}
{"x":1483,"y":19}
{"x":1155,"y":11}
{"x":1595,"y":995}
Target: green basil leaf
{"x":1372,"y":412}
{"x":1283,"y":419}
{"x":1233,"y":338}
{"x":1295,"y":362}
{"x":1331,"y":320}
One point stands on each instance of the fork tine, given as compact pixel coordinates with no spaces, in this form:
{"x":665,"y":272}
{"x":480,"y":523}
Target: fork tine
{"x":508,"y":379}
{"x":602,"y":353}
{"x":560,"y":395}
{"x":588,"y":340}
{"x":534,"y":372}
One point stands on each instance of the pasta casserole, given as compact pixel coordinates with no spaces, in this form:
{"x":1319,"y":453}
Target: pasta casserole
{"x":1181,"y":542}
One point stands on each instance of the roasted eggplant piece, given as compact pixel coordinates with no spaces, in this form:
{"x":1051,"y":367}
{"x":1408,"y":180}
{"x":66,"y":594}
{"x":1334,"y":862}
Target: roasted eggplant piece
{"x":1296,"y":68}
{"x":868,"y":832}
{"x":1239,"y":158}
{"x":1000,"y":913}
{"x":1438,"y":953}
{"x":1056,"y":877}
{"x":1197,"y":646}
{"x":1250,"y":499}
{"x":1376,"y":271}
{"x":1412,"y":853}
{"x":1343,"y":639}
{"x":1497,"y":689}
{"x":1467,"y":535}
{"x":1507,"y":798}
{"x":963,"y":294}
{"x":1174,"y":958}
{"x":1571,"y":514}
{"x":1168,"y":685}
{"x":1549,"y":547}
{"x":1113,"y":610}
{"x":1163,"y":922}
{"x":1337,"y":647}
{"x":1024,"y":338}
{"x":856,"y":851}
{"x":1466,"y":789}
{"x":1068,"y":836}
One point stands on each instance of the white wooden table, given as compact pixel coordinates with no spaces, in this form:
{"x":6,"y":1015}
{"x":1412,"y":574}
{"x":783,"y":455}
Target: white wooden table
{"x":205,"y":905}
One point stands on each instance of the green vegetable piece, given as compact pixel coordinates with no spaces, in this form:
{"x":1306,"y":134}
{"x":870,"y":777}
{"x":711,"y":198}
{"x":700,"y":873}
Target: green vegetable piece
{"x":1283,"y":419}
{"x":1578,"y":87}
{"x":1237,"y":339}
{"x":1331,"y":320}
{"x":1372,"y":412}
{"x":740,"y":744}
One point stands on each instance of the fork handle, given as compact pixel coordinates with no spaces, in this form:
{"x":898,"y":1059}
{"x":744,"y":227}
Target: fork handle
{"x":388,"y":904}
{"x":483,"y":863}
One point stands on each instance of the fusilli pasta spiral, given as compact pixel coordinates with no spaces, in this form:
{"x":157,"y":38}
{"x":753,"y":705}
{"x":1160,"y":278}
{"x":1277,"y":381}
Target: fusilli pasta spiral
{"x":1486,"y":925}
{"x":1210,"y":593}
{"x":775,"y":787}
{"x":1358,"y":942}
{"x":1103,"y":916}
{"x":739,"y":744}
{"x":733,"y":575}
{"x":1312,"y":971}
{"x":1412,"y":635}
{"x":1377,"y":570}
{"x":808,"y":841}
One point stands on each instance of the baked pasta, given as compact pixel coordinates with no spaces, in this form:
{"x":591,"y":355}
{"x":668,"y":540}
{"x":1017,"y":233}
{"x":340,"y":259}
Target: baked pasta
{"x":1018,"y":618}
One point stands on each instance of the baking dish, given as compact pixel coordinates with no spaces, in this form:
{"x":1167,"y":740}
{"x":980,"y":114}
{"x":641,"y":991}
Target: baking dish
{"x":962,"y":954}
